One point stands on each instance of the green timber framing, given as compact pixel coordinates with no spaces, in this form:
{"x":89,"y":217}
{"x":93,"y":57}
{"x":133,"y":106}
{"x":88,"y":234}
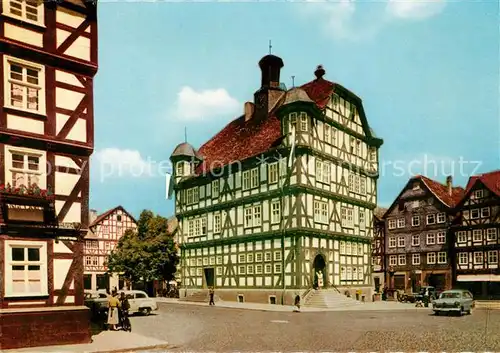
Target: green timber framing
{"x":279,"y":256}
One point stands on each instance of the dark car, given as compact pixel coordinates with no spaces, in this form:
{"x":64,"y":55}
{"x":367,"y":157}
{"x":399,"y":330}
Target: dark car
{"x":433,"y":294}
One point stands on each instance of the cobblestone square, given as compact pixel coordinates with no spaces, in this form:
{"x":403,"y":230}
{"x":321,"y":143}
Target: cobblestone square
{"x":200,"y":328}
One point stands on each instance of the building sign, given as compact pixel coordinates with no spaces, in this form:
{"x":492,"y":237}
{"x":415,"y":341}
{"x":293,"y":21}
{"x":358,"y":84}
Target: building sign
{"x":24,"y":213}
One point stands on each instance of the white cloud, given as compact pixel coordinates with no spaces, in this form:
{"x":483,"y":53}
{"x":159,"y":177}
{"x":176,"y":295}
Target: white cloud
{"x":415,"y":9}
{"x":120,"y":163}
{"x":197,"y":105}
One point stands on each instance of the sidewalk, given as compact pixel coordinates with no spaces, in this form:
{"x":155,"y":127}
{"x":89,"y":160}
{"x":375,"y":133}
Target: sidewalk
{"x":105,"y":341}
{"x":356,"y":306}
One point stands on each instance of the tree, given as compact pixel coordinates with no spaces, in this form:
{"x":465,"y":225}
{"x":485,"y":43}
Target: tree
{"x":146,"y":254}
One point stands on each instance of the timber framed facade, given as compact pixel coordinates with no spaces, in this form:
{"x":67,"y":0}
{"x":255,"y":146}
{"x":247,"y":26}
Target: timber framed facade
{"x":48,"y":58}
{"x":378,"y":249}
{"x":475,"y":233}
{"x":417,"y":244}
{"x":104,"y":233}
{"x":260,"y":226}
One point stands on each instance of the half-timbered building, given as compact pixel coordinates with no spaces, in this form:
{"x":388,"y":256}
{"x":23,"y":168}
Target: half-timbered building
{"x":417,"y":245}
{"x":475,"y":232}
{"x":104,"y":233}
{"x":282,"y":196}
{"x":378,"y":248}
{"x":48,"y":58}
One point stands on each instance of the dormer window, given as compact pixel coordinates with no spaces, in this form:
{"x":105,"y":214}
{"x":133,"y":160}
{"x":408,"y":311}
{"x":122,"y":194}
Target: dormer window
{"x":293,"y":121}
{"x":179,"y":169}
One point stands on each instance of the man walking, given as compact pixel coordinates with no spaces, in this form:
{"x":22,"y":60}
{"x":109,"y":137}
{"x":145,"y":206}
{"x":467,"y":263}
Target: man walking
{"x":211,"y":294}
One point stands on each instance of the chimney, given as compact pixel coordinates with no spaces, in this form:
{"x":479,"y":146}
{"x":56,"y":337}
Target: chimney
{"x":249,"y":109}
{"x":449,"y":183}
{"x":92,"y":216}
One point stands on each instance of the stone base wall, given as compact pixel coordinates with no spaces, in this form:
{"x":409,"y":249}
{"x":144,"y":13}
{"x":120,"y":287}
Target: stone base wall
{"x":44,"y":327}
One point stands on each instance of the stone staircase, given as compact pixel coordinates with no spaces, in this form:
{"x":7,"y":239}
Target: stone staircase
{"x":199,"y":297}
{"x":328,"y":298}
{"x":487,"y":304}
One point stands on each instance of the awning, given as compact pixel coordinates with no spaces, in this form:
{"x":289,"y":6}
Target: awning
{"x":478,"y":278}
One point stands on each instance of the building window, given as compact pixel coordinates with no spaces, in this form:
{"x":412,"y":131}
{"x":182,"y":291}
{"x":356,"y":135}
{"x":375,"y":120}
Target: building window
{"x":348,"y":248}
{"x":415,"y":240}
{"x":441,"y":257}
{"x":474,"y":214}
{"x":462,"y":258}
{"x":268,"y":256}
{"x":342,"y":247}
{"x":268,"y":268}
{"x":273,"y":173}
{"x":275,"y":212}
{"x":241,"y":270}
{"x":477,"y":235}
{"x":431,"y":219}
{"x":218,"y":260}
{"x":25,"y":86}
{"x":431,"y":239}
{"x":258,"y":257}
{"x":26,"y":10}
{"x":441,"y":217}
{"x":258,"y":269}
{"x":95,"y":261}
{"x":362,"y":220}
{"x":277,"y":255}
{"x":462,"y":236}
{"x":241,"y":258}
{"x":321,"y":212}
{"x":415,"y":221}
{"x":392,"y":224}
{"x":253,"y":216}
{"x":347,"y":217}
{"x":485,"y":212}
{"x":219,"y":271}
{"x":215,"y":188}
{"x":478,"y":194}
{"x":491,"y":234}
{"x":249,"y":258}
{"x":26,"y":168}
{"x":25,"y":268}
{"x":254,"y":178}
{"x":250,"y":269}
{"x":304,"y":122}
{"x":402,"y":260}
{"x":327,"y":133}
{"x":478,"y":258}
{"x":88,"y":260}
{"x":323,"y":171}
{"x":277,"y":268}
{"x":179,"y":169}
{"x":431,"y":258}
{"x":362,"y":185}
{"x":357,"y":184}
{"x":401,"y":242}
{"x":373,"y":154}
{"x":493,"y":257}
{"x":441,"y":237}
{"x":393,"y":260}
{"x":199,"y":272}
{"x":193,"y":195}
{"x":415,"y":259}
{"x":217,"y":223}
{"x":392,"y":242}
{"x":401,"y":222}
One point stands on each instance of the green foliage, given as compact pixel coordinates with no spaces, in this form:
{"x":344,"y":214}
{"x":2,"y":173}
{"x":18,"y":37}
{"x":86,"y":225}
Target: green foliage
{"x":146,"y":254}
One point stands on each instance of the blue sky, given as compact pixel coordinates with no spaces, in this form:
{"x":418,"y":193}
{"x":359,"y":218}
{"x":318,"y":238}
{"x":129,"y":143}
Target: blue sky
{"x":427,"y":72}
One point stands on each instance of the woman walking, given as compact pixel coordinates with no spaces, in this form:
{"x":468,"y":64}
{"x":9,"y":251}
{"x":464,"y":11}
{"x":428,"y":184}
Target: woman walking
{"x":113,"y":305}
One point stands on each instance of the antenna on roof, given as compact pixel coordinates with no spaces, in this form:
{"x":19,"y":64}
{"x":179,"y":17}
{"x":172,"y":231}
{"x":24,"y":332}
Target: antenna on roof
{"x":270,"y":46}
{"x":293,"y":81}
{"x":185,"y":134}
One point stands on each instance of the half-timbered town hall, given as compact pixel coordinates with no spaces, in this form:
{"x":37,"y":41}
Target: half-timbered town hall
{"x":475,"y":233}
{"x":104,"y":233}
{"x":48,"y":58}
{"x":281,"y":199}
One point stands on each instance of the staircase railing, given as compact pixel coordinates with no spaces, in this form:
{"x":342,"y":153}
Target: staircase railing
{"x":334,"y":287}
{"x":306,"y":295}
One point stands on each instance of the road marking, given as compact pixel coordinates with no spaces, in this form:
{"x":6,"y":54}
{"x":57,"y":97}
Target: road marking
{"x":280,"y":321}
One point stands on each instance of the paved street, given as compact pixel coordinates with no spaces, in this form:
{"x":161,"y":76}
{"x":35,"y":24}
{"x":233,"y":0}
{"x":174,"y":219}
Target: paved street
{"x":203,"y":328}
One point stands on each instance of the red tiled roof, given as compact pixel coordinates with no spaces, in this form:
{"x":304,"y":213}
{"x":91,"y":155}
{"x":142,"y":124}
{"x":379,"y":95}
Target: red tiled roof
{"x":242,"y":139}
{"x":441,"y":191}
{"x":102,"y":216}
{"x":491,"y":180}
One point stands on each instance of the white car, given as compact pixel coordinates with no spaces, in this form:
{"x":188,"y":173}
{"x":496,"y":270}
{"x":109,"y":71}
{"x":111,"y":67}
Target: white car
{"x":139,"y":302}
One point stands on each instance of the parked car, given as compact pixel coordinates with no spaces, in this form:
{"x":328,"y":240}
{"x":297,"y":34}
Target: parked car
{"x":97,"y":302}
{"x":457,"y":300}
{"x":433,"y":293}
{"x":140,"y":302}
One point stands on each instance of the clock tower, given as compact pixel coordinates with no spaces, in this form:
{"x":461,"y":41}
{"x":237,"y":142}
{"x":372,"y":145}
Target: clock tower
{"x":270,"y":90}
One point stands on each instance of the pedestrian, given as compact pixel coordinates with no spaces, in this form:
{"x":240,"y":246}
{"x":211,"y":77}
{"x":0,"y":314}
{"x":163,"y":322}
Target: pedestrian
{"x":124,"y":307}
{"x":211,"y":294}
{"x":113,"y":305}
{"x":297,"y":303}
